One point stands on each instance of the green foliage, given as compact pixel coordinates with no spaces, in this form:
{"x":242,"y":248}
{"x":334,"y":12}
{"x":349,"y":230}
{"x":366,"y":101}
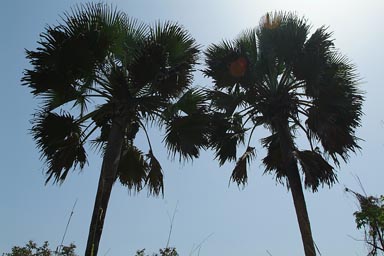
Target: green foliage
{"x":370,"y":218}
{"x":169,"y":251}
{"x":32,"y":249}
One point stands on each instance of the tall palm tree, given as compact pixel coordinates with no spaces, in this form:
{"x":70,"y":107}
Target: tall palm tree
{"x":282,"y":77}
{"x":102,"y":77}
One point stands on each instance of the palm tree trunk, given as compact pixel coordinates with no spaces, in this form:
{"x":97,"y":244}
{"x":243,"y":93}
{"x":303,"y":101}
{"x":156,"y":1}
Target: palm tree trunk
{"x":294,"y":181}
{"x":106,"y":180}
{"x":301,"y":210}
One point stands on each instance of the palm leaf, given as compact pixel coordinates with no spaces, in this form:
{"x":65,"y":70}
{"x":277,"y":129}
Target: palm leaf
{"x":239,"y":173}
{"x":109,"y":29}
{"x":273,"y":162}
{"x":52,"y":99}
{"x":59,"y":138}
{"x":186,"y":135}
{"x":181,"y":55}
{"x":281,"y":35}
{"x":133,"y":168}
{"x":102,"y":118}
{"x":191,"y":102}
{"x":165,"y":60}
{"x":226,"y":64}
{"x":227,"y":102}
{"x":226,"y":133}
{"x":71,"y":54}
{"x":336,"y":109}
{"x":246,"y":42}
{"x":312,"y":60}
{"x":154,"y":180}
{"x":316,"y":169}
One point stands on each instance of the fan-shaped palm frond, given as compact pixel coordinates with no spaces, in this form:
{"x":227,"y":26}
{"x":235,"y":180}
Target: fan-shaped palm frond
{"x":313,"y":57}
{"x":187,"y":124}
{"x":281,"y":36}
{"x":226,"y":102}
{"x":70,"y":56}
{"x":273,"y":162}
{"x":133,"y":168}
{"x":227,"y":64}
{"x":59,"y":138}
{"x":317,"y":171}
{"x":165,"y":60}
{"x":187,"y":135}
{"x":154,"y":179}
{"x":191,"y":102}
{"x":226,"y":133}
{"x":239,"y":173}
{"x":336,"y":109}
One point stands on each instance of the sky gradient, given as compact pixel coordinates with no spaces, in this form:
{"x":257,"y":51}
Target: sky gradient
{"x":224,"y":219}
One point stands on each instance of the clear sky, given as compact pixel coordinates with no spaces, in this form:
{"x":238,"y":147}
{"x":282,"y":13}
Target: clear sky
{"x":229,"y":221}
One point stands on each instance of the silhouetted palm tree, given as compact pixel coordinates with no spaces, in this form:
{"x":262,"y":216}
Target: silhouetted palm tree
{"x":281,"y":77}
{"x":102,"y":77}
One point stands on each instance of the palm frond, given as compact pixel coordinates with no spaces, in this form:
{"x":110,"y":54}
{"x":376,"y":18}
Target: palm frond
{"x":246,"y":42}
{"x":317,"y":171}
{"x":226,"y":64}
{"x":166,"y":60}
{"x":281,"y":36}
{"x":108,"y":26}
{"x":239,"y":173}
{"x":152,"y":108}
{"x":226,"y":134}
{"x":336,"y":110}
{"x":191,"y":102}
{"x":100,"y":142}
{"x":70,"y":54}
{"x":52,"y":99}
{"x":273,"y":162}
{"x":119,"y":85}
{"x":133,"y":168}
{"x":275,"y":106}
{"x":58,"y":136}
{"x":187,"y":135}
{"x":312,"y":60}
{"x":154,"y":179}
{"x":187,"y":125}
{"x":227,"y":102}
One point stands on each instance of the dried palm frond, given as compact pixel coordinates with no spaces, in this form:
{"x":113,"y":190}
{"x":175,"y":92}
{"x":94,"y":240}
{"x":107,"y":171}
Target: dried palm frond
{"x":317,"y":171}
{"x":239,"y":173}
{"x":154,"y":179}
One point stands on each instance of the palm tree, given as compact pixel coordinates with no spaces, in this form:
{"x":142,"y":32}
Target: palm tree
{"x":102,"y":77}
{"x":281,"y":77}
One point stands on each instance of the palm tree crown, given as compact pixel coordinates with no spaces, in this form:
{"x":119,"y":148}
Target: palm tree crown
{"x":100,"y":55}
{"x":278,"y":75}
{"x":102,"y":77}
{"x":282,"y":77}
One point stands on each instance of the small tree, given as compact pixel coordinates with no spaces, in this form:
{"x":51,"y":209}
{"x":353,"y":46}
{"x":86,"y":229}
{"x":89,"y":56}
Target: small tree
{"x":168,"y":251}
{"x":32,"y":249}
{"x":370,"y":218}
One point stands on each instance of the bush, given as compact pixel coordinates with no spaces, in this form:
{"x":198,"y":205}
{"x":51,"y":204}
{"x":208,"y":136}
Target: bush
{"x":169,"y":251}
{"x":32,"y":249}
{"x":370,"y":218}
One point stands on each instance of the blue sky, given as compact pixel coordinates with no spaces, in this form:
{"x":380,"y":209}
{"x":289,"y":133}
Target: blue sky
{"x":247,"y":222}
